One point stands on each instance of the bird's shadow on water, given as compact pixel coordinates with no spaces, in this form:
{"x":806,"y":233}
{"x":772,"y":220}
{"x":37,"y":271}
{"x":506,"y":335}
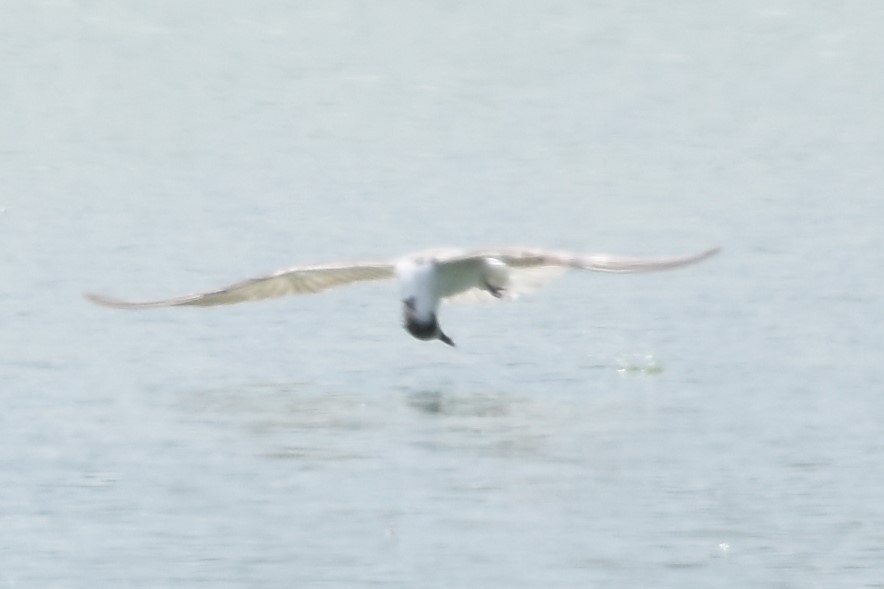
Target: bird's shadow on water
{"x":319,"y":427}
{"x":438,"y":403}
{"x":304,"y":405}
{"x":264,"y":407}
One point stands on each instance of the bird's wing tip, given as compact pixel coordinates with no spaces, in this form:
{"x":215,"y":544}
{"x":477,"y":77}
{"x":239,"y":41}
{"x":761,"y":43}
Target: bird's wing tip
{"x":98,"y":299}
{"x":106,"y":301}
{"x":713,"y":251}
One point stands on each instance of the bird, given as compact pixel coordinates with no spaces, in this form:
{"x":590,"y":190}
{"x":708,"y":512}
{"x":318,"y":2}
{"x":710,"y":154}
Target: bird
{"x":425,"y":279}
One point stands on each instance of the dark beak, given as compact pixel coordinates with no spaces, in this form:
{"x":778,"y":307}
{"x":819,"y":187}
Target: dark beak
{"x":445,"y":338}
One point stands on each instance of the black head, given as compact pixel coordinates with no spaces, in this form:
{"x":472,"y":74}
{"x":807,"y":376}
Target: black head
{"x":426,"y":330}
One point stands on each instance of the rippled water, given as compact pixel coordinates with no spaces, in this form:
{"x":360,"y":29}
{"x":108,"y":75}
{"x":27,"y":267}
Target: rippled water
{"x":719,"y":426}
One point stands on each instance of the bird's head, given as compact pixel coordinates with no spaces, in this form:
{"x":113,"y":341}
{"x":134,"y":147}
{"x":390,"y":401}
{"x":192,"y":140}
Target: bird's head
{"x":423,"y":328}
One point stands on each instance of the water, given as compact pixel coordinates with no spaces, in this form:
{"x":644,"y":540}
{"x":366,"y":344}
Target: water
{"x":719,"y":426}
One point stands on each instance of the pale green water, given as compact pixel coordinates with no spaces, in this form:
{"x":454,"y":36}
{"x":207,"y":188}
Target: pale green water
{"x":719,"y":426}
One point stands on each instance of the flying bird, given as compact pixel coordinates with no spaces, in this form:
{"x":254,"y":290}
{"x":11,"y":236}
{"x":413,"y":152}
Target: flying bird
{"x":425,"y":279}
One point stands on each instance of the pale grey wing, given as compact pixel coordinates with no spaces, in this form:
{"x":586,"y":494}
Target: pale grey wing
{"x":522,"y":281}
{"x":291,"y":281}
{"x":530,"y":269}
{"x":608,"y":263}
{"x":527,"y":258}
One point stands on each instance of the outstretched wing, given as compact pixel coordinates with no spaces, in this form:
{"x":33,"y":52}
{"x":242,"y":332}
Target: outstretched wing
{"x":529,"y":269}
{"x":528,"y":258}
{"x":291,"y":281}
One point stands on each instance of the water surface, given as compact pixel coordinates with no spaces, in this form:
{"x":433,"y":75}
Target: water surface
{"x":719,"y":426}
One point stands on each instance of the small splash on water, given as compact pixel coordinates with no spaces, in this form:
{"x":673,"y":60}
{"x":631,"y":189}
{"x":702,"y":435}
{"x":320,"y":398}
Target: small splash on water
{"x":639,"y":365}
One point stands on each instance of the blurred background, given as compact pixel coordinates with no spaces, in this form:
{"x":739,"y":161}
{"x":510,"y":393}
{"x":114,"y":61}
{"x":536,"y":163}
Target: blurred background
{"x":715,"y":426}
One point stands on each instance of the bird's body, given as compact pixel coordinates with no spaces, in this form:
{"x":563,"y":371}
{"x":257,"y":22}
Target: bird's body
{"x":425,"y":279}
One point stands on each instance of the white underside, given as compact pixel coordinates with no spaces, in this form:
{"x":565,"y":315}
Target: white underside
{"x":427,"y":282}
{"x":520,"y":282}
